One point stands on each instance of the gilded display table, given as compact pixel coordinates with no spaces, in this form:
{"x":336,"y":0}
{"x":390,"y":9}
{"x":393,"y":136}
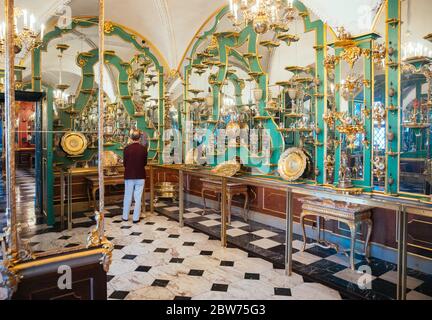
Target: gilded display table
{"x":93,"y":185}
{"x":351,"y":214}
{"x":232,"y":190}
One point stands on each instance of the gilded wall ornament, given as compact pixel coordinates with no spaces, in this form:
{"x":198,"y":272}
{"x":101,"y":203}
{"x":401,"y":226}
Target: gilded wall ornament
{"x":351,"y":54}
{"x":330,"y":62}
{"x":108,"y":27}
{"x":81,"y":62}
{"x":379,"y":53}
{"x":379,"y":168}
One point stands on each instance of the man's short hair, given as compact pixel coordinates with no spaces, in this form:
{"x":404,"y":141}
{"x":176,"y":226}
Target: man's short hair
{"x":135,"y":135}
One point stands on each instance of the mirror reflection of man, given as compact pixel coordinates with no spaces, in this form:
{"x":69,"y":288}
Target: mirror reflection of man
{"x":134,"y":161}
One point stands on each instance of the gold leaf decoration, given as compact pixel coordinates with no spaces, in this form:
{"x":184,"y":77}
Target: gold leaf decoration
{"x":351,"y":55}
{"x":108,"y":27}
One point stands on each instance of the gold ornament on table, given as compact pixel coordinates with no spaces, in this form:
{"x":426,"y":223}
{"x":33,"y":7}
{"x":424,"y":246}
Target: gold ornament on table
{"x":110,"y":163}
{"x":227,"y":169}
{"x":345,"y":174}
{"x":166,"y":190}
{"x":329,"y":165}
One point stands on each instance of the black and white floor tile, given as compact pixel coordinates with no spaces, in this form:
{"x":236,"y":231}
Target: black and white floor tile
{"x":156,"y":259}
{"x":315,"y":263}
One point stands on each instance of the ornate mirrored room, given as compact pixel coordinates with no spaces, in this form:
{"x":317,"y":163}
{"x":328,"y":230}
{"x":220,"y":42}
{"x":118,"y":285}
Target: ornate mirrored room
{"x":219,"y":150}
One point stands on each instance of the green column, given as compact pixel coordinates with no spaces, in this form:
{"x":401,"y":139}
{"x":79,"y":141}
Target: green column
{"x":319,"y":122}
{"x":393,"y":80}
{"x":36,"y":70}
{"x":367,"y":183}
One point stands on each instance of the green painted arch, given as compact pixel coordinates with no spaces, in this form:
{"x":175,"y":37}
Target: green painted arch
{"x":87,"y":62}
{"x":253,"y":64}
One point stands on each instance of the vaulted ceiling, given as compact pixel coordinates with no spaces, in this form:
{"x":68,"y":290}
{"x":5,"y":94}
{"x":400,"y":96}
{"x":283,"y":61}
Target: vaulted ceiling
{"x":170,"y":25}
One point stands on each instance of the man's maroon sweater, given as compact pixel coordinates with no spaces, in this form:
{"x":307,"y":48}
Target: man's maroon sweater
{"x":134,"y":161}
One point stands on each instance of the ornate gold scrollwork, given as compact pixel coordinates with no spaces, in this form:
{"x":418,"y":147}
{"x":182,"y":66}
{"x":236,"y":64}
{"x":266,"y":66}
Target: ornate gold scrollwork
{"x":378,"y":53}
{"x":351,"y":54}
{"x":108,"y":27}
{"x":9,"y":279}
{"x":330,"y":62}
{"x":379,"y":168}
{"x":97,"y":239}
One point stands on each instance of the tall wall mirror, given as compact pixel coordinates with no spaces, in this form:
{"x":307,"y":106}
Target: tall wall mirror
{"x":415,"y":150}
{"x":66,"y":126}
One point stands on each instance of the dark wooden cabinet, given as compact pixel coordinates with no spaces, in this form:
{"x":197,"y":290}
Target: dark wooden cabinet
{"x":41,"y":282}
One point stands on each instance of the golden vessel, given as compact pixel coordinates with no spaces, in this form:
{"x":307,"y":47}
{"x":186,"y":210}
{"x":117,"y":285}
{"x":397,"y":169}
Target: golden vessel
{"x":166,"y":190}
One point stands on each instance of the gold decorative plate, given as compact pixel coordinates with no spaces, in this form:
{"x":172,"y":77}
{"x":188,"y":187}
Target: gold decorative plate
{"x":227,"y":169}
{"x":292,"y":164}
{"x":74,"y":143}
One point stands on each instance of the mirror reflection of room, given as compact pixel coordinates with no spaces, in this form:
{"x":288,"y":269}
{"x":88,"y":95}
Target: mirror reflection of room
{"x":216,"y":150}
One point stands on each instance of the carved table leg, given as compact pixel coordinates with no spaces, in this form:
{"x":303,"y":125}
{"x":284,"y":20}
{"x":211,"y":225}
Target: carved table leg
{"x":303,"y":227}
{"x":353,"y":229}
{"x":245,"y":212}
{"x":204,"y":202}
{"x":229,"y":200}
{"x":367,"y":242}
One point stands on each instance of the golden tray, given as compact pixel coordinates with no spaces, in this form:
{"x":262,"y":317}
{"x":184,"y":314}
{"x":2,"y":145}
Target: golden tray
{"x":227,"y":169}
{"x":292,"y":164}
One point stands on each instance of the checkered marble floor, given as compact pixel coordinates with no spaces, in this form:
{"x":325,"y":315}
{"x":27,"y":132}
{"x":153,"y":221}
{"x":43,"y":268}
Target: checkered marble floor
{"x":319,"y":265}
{"x":158,"y":260}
